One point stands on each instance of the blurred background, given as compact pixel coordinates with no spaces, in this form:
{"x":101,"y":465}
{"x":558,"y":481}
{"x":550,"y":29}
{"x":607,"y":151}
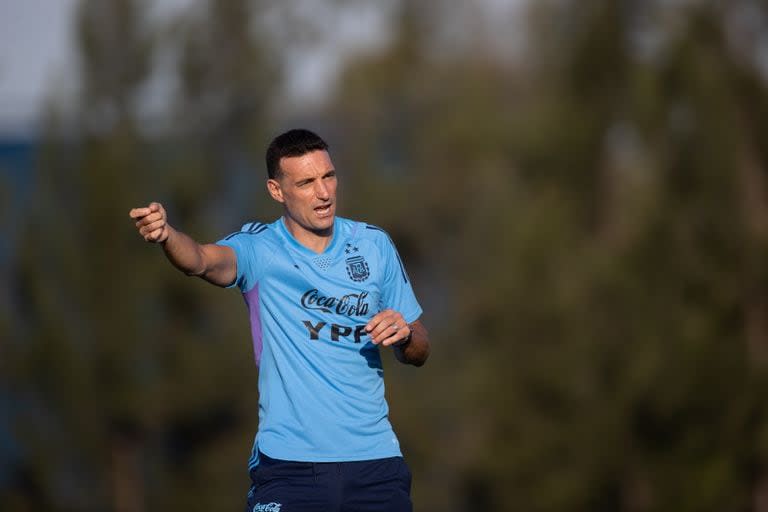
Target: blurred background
{"x":579,"y":189}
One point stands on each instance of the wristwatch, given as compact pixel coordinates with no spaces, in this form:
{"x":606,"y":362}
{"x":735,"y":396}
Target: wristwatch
{"x":405,"y":341}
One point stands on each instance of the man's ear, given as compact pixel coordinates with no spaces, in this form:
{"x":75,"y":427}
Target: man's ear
{"x":273,"y":186}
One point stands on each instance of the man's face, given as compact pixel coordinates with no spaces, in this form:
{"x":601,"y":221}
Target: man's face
{"x":307,"y":188}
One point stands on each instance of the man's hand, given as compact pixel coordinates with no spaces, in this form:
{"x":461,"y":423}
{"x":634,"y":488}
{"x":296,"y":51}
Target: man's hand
{"x":215,"y":263}
{"x":387,"y":328}
{"x":151,"y":222}
{"x":410,"y":342}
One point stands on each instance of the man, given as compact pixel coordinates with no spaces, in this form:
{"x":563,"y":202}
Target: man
{"x":324,"y":294}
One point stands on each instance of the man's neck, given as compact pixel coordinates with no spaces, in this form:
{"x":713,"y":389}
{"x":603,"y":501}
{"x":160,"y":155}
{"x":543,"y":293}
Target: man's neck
{"x":315,"y":241}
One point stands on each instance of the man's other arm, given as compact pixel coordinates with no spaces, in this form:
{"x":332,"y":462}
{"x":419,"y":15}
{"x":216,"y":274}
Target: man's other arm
{"x":410,"y":342}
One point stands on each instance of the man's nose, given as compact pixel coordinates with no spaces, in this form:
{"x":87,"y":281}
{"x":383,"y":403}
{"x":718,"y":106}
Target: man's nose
{"x":321,"y":190}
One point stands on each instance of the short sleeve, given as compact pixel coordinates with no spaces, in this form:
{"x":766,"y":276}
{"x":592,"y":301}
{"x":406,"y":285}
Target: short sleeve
{"x":397,"y":292}
{"x":249,"y":256}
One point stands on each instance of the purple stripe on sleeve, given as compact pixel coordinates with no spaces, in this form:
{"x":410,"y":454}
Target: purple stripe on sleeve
{"x":252,"y":300}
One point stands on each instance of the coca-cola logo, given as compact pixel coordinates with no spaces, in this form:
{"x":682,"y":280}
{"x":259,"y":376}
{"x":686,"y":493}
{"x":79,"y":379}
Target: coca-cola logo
{"x":352,"y":304}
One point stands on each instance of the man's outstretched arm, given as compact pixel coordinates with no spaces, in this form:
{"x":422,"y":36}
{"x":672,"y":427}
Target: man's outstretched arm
{"x":214,"y":263}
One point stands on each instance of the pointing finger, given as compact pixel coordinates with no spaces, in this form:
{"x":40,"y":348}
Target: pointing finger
{"x":135,"y":213}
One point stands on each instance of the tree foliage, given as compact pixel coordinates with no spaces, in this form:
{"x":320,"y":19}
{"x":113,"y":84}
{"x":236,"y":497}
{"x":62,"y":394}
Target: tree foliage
{"x":583,"y":216}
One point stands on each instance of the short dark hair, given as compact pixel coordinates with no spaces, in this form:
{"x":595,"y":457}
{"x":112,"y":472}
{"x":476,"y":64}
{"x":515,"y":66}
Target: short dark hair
{"x":295,"y":142}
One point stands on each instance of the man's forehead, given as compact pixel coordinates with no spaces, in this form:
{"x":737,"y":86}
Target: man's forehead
{"x":314,"y":162}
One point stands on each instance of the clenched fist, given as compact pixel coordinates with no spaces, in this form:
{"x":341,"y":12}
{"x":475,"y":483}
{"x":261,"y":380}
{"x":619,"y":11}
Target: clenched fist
{"x":152,"y":222}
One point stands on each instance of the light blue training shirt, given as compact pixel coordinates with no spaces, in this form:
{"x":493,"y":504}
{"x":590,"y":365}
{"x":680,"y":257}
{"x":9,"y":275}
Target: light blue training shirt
{"x":321,"y":383}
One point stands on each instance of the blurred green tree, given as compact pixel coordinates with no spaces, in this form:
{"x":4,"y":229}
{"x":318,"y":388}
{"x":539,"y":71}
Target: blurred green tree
{"x":593,"y":220}
{"x":137,"y":384}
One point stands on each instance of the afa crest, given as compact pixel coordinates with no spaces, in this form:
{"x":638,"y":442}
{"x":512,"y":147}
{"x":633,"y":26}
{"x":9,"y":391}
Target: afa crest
{"x":357,"y":268}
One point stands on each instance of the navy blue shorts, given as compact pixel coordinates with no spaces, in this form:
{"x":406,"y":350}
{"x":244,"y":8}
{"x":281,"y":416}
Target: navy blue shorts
{"x":381,"y":485}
